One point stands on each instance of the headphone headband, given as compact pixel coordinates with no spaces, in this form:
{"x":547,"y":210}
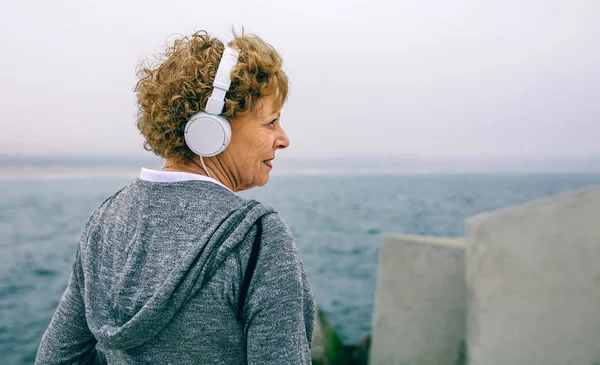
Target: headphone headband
{"x":216,"y":101}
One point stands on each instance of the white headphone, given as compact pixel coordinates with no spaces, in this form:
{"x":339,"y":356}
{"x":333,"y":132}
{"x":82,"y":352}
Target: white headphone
{"x":208,"y":133}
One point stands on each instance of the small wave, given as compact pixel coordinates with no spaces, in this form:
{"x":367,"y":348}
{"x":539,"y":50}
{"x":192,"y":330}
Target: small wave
{"x":44,"y":272}
{"x":373,"y":231}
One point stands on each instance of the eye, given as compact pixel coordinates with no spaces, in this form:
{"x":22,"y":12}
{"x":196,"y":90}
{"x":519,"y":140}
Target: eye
{"x":272,"y":123}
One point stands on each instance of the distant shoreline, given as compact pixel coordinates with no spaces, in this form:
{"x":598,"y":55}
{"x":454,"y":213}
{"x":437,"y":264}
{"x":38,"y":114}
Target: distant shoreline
{"x":57,"y":172}
{"x":80,"y":166}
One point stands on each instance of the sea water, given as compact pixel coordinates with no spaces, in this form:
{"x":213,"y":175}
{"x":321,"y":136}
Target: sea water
{"x":338,"y":222}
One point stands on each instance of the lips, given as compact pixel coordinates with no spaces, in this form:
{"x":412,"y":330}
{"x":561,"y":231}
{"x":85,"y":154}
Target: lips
{"x":269,"y":162}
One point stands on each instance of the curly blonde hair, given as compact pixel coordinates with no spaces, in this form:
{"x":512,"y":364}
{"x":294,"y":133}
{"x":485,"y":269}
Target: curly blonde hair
{"x":170,"y":93}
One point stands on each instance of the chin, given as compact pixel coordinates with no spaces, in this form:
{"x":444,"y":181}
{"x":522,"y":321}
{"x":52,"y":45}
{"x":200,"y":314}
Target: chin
{"x":263,"y":180}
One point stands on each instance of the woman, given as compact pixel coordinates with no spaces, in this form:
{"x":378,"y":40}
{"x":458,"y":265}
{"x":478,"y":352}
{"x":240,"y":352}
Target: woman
{"x":176,"y":268}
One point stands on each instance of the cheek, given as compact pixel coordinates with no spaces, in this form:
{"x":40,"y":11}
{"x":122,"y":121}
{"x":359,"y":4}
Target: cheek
{"x":262,"y":146}
{"x":252,"y":148}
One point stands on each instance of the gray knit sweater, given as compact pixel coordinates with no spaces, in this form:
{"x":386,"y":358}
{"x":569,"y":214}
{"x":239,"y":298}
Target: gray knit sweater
{"x":156,"y":280}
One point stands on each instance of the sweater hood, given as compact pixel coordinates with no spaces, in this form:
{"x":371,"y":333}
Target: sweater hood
{"x":141,"y":261}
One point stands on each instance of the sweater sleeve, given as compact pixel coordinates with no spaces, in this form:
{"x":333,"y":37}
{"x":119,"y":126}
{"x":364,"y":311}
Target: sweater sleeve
{"x":279,"y":309}
{"x":67,"y":339}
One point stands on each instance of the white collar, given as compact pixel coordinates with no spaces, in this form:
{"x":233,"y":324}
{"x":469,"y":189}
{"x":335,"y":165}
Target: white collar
{"x":175,"y":176}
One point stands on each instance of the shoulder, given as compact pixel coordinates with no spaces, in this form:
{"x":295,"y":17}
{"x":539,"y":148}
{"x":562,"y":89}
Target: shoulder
{"x":277,"y":241}
{"x":276,"y":230}
{"x":104,"y":205}
{"x":95,"y":218}
{"x":274,"y":224}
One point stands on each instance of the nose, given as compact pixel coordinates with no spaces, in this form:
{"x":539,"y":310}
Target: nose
{"x":283,"y":141}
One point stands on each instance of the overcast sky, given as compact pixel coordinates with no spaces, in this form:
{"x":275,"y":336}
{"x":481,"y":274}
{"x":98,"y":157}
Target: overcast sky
{"x":429,"y":78}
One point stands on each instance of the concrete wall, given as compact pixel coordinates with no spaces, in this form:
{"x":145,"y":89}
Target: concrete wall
{"x":420,"y":305}
{"x":533,"y":274}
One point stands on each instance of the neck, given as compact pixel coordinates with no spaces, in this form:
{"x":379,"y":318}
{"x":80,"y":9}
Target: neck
{"x":194,"y":166}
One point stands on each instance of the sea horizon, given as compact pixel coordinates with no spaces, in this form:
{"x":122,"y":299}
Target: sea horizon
{"x":15,"y":167}
{"x":62,"y":172}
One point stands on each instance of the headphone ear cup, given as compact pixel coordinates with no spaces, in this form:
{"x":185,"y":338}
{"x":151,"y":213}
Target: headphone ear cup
{"x":207,"y":135}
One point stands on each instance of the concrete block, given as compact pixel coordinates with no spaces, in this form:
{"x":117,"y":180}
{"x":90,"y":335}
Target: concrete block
{"x":420,"y":305}
{"x":533,"y":275}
